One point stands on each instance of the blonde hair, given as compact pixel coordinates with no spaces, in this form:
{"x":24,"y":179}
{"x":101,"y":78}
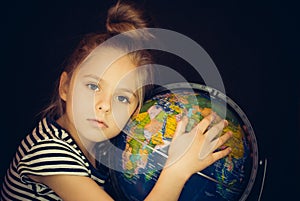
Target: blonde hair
{"x":121,"y":18}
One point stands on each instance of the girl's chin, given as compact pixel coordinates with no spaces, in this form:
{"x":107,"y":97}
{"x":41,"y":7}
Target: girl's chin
{"x":95,"y":136}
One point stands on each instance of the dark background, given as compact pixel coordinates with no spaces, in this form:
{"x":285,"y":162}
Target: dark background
{"x":255,"y":48}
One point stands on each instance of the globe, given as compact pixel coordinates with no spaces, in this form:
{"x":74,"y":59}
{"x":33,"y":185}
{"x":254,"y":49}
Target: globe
{"x":141,"y":149}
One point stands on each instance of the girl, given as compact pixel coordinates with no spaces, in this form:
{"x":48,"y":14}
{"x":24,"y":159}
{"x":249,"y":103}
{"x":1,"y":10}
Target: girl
{"x":94,"y":101}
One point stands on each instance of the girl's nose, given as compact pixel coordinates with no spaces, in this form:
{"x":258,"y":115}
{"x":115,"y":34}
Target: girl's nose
{"x":103,"y":104}
{"x":103,"y":108}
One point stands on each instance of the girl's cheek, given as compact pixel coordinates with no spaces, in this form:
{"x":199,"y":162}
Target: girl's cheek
{"x":121,"y":116}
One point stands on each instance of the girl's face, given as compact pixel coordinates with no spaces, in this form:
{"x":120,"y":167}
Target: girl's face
{"x":99,"y":100}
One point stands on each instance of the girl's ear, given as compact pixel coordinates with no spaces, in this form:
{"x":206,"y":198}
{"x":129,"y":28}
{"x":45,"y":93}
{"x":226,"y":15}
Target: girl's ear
{"x":63,"y":86}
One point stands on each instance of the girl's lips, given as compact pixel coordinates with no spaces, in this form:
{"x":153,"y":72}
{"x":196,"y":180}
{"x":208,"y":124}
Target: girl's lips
{"x":98,"y":123}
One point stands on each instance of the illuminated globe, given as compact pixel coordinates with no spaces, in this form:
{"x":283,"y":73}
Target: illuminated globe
{"x":145,"y":141}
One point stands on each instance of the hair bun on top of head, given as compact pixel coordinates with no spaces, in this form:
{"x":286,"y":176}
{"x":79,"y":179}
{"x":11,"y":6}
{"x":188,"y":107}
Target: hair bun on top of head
{"x":125,"y":16}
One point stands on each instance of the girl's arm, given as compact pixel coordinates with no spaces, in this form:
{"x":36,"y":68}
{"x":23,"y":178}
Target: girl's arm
{"x":183,"y":161}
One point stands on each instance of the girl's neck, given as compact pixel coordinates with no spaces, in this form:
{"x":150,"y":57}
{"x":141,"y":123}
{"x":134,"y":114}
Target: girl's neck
{"x":86,"y":146}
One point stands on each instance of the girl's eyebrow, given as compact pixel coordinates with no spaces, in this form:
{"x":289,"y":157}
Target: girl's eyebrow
{"x":127,"y":90}
{"x":93,"y":76}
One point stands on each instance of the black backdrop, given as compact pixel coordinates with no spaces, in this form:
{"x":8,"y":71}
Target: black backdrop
{"x":255,"y":48}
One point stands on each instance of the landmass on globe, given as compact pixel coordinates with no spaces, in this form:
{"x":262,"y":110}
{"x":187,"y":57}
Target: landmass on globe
{"x":156,"y":123}
{"x":149,"y":134}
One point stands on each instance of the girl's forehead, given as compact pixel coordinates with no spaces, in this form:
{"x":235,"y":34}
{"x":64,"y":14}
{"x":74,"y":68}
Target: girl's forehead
{"x":100,"y":66}
{"x":122,"y":72}
{"x":105,"y":55}
{"x":103,"y":60}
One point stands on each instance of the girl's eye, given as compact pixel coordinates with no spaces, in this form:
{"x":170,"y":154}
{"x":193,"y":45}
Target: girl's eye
{"x":123,"y":99}
{"x":93,"y":87}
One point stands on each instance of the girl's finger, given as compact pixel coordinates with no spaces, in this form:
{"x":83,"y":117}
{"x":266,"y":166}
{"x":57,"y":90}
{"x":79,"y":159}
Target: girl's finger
{"x":214,"y":131}
{"x":210,"y":146}
{"x":206,"y":149}
{"x":211,"y":140}
{"x":204,"y":123}
{"x":221,"y":140}
{"x":220,"y":154}
{"x":180,"y":129}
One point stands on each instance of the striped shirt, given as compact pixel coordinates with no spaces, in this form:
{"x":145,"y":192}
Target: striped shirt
{"x":48,"y":150}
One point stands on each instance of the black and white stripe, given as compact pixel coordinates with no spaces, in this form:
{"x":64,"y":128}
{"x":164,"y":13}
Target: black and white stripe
{"x":48,"y":150}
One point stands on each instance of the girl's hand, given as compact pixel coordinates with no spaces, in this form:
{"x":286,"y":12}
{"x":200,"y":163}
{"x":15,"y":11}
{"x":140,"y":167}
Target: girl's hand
{"x":194,"y":151}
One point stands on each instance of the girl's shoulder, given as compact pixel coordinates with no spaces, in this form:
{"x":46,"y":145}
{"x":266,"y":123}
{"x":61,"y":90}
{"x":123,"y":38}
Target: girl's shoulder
{"x":48,"y":128}
{"x":48,"y":138}
{"x":47,"y":150}
{"x":48,"y":131}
